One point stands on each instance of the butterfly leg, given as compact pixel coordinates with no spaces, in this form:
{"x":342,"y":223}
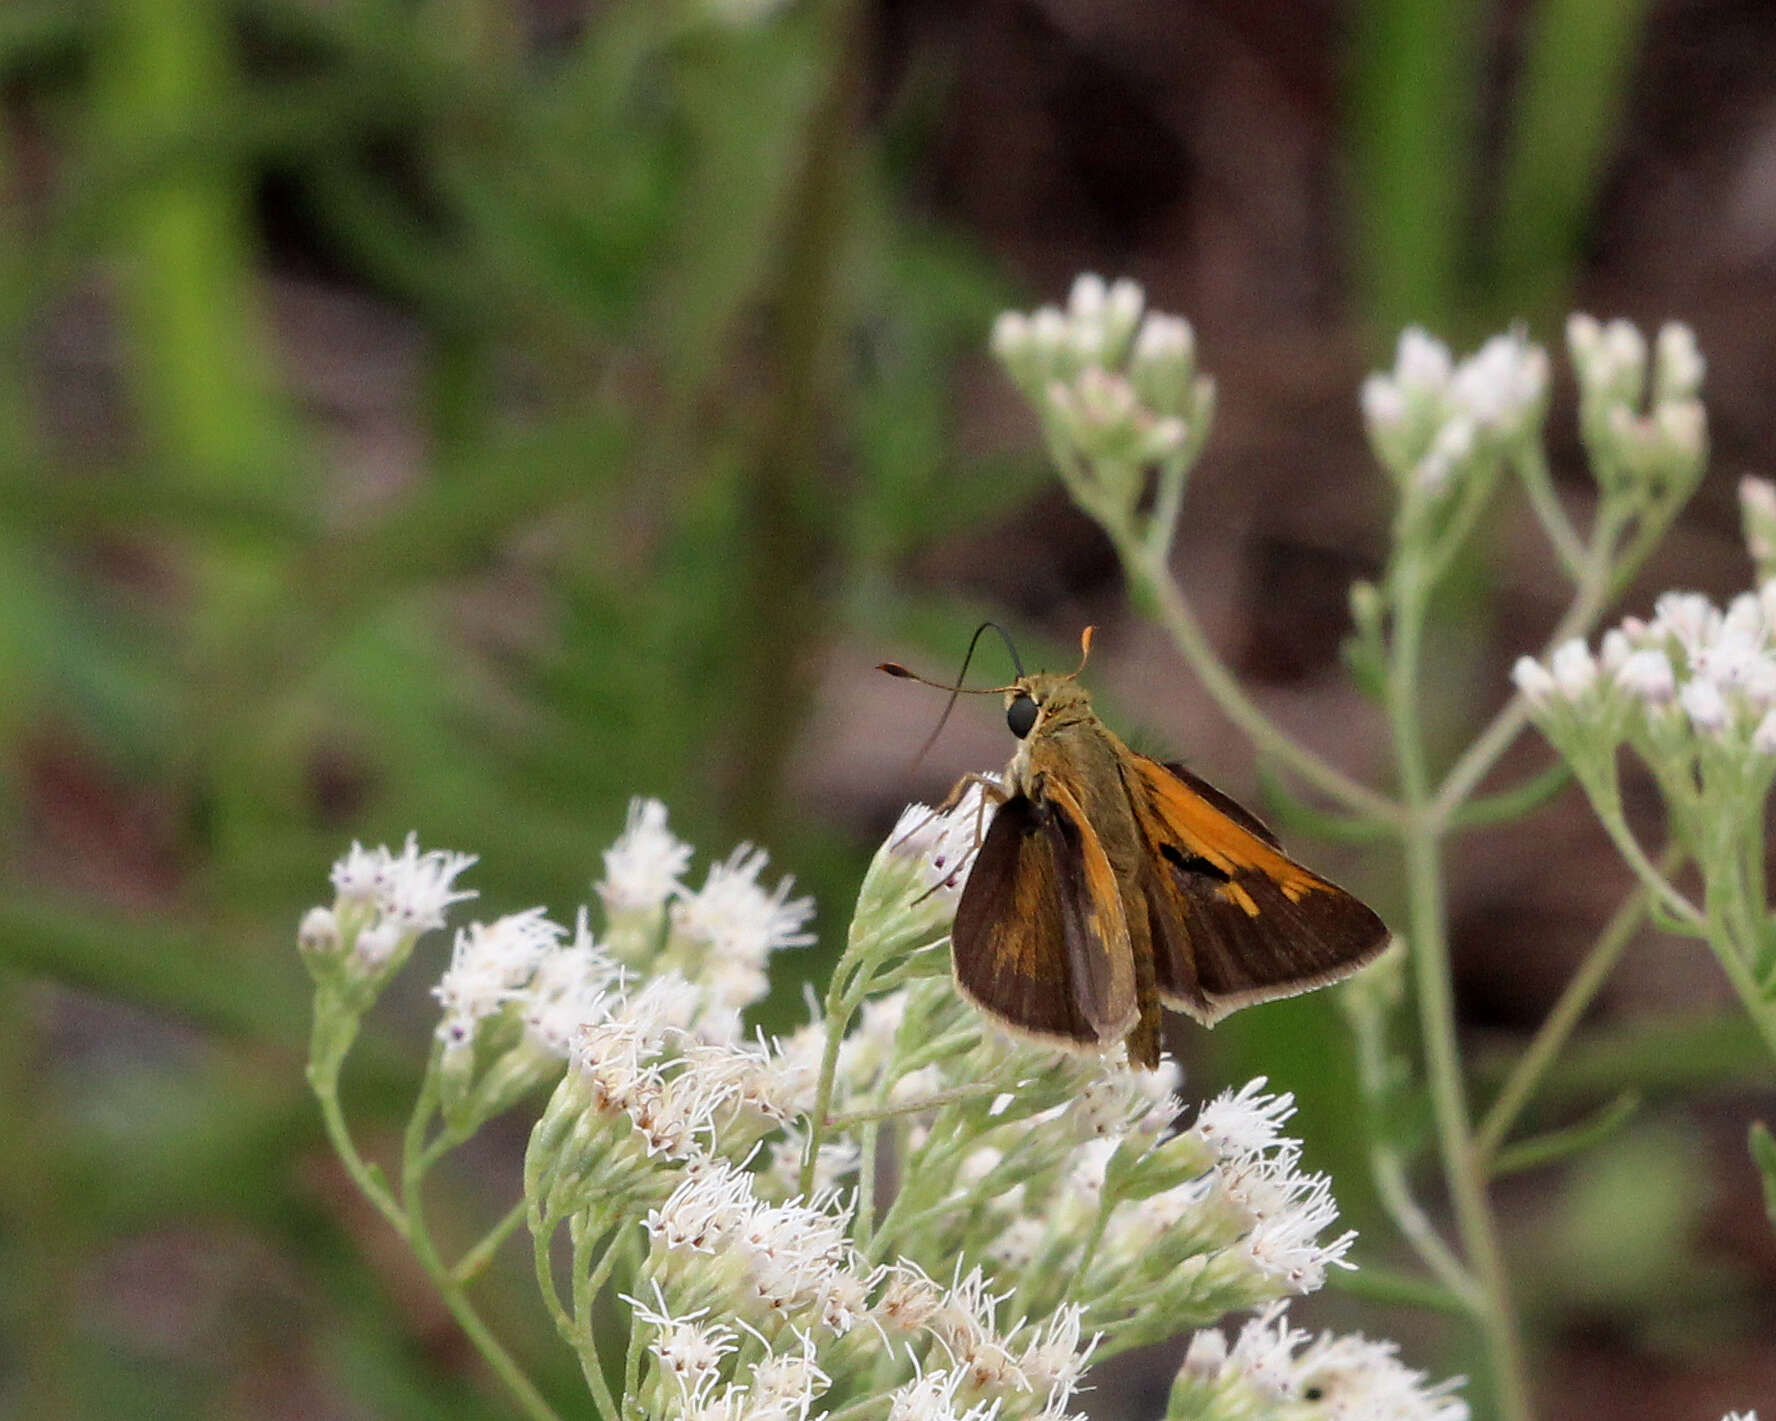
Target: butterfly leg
{"x":992,"y":792}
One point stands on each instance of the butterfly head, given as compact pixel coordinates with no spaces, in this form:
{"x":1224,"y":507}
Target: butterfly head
{"x":1045,"y":699}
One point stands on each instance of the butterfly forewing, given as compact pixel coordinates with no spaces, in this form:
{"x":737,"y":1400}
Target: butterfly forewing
{"x":1233,"y":919}
{"x":1039,"y":938}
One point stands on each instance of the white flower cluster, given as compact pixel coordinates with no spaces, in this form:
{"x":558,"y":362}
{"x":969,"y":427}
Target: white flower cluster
{"x":1637,"y":429}
{"x":1757,"y":518}
{"x":1694,"y":677}
{"x":1117,"y":390}
{"x":1429,"y":417}
{"x":720,"y":936}
{"x":1272,"y":1369}
{"x":383,"y":902}
{"x":775,"y":1274}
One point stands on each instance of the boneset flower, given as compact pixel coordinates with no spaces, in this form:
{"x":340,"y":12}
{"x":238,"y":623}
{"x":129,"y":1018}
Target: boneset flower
{"x":722,"y":1163}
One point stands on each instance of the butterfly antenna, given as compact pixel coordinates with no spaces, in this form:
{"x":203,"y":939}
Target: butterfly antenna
{"x":894,"y":668}
{"x":1085,"y":649}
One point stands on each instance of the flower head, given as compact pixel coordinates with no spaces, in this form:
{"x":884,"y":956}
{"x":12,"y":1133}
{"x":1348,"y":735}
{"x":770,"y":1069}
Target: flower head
{"x":643,"y":869}
{"x":1271,"y":1365}
{"x":489,"y":965}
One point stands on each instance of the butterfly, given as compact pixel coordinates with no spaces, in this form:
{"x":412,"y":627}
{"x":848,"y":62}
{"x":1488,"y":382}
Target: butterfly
{"x":1108,"y":884}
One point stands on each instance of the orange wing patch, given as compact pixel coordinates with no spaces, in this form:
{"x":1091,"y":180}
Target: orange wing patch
{"x":1233,"y":919}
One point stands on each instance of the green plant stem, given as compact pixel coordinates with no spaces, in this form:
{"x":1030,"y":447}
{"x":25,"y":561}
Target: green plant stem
{"x":1532,"y":468}
{"x":1557,"y":1027}
{"x":1155,"y":584}
{"x":1428,"y":939}
{"x":1539,"y":1150}
{"x":1473,"y":1213}
{"x":955,"y":1096}
{"x":542,"y":1230}
{"x":587,"y":1283}
{"x":838,"y":1017}
{"x":469,"y":1266}
{"x":413,"y":1152}
{"x":1606,"y":800}
{"x":1374,"y":1283}
{"x":1506,"y":805}
{"x":1415,"y":1226}
{"x":1757,"y":1004}
{"x":323,"y":1078}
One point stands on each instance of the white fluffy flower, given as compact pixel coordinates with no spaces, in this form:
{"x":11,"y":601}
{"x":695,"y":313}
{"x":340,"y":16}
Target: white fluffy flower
{"x":1272,"y":1365}
{"x":1282,"y":1211}
{"x":1574,"y":669}
{"x":413,"y":890}
{"x":643,"y":868}
{"x":568,"y":990}
{"x":944,"y":844}
{"x":688,"y":1349}
{"x":1421,"y":363}
{"x":709,"y":1207}
{"x":1533,"y":681}
{"x":735,"y":919}
{"x":932,"y":1397}
{"x":1704,"y":704}
{"x":1503,"y":384}
{"x":489,"y":965}
{"x":1647,"y":674}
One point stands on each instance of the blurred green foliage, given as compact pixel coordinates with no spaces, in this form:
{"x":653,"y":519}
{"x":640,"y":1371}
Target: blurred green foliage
{"x":671,"y":400}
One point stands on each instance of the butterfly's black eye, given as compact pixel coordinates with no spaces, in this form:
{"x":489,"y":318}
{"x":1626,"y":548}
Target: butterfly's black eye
{"x":1020,"y":715}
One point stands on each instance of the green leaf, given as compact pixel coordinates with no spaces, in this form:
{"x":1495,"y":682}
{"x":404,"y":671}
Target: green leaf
{"x":1763,"y":1155}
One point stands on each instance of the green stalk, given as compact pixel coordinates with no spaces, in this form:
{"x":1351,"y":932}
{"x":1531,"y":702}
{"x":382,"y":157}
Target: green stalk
{"x":1155,"y":585}
{"x":413,"y":1153}
{"x":1428,"y":938}
{"x":1558,"y":1025}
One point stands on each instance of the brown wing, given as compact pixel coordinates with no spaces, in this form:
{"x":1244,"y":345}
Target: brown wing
{"x":1040,"y":940}
{"x":1233,"y":919}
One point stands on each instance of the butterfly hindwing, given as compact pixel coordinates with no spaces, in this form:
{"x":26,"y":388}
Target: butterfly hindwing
{"x":1233,"y":919}
{"x":1040,"y":939}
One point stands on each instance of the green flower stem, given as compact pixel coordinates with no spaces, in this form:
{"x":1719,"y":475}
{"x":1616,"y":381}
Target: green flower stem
{"x":1377,"y":1284}
{"x":632,"y":1371}
{"x":1595,"y":589}
{"x":1152,"y":582}
{"x":1415,"y":1226}
{"x":1736,"y":957}
{"x":1539,"y":1150}
{"x":542,"y":1232}
{"x":1507,"y":805}
{"x":1477,"y":489}
{"x":1532,"y":468}
{"x":956,"y":1096}
{"x":1388,"y":1169}
{"x":1428,"y":938}
{"x":1106,"y":1205}
{"x":469,"y":1266}
{"x":1558,"y":1025}
{"x":413,"y":1151}
{"x":864,"y":1214}
{"x":1606,"y":800}
{"x":838,"y":1017}
{"x":586,"y":1232}
{"x":1174,"y":473}
{"x":325,"y":1058}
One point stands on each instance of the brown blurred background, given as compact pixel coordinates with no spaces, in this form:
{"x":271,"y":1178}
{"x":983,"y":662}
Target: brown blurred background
{"x":460,"y":416}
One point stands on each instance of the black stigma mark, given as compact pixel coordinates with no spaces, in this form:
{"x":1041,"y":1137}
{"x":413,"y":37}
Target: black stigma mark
{"x":1194,"y":863}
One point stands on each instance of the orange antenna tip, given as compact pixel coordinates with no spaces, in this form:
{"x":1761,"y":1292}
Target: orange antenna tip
{"x":1085,"y":648}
